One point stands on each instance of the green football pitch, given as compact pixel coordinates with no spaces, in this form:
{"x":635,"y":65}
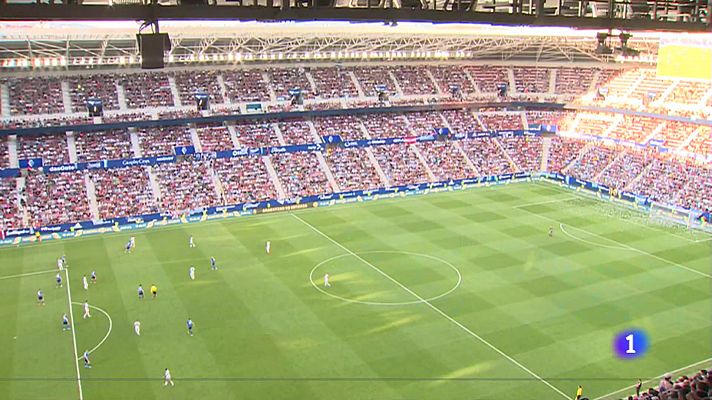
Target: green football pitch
{"x":456,"y":295}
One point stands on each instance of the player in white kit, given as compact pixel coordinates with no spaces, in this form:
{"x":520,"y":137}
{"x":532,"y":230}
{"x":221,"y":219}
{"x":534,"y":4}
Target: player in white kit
{"x":85,"y":282}
{"x":191,"y":273}
{"x":167,"y":378}
{"x":191,"y":244}
{"x":86,"y":310}
{"x":326,"y":280}
{"x":137,"y":328}
{"x":268,"y":247}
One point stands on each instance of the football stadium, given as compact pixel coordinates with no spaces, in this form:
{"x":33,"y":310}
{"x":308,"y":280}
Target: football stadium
{"x":356,"y":200}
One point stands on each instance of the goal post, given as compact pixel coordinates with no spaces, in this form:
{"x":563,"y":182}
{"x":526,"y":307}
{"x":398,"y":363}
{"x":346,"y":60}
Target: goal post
{"x":671,"y":215}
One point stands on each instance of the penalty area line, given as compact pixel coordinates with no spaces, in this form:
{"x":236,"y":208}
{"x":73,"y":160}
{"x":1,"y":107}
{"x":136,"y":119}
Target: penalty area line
{"x":431,"y":306}
{"x":27,"y":274}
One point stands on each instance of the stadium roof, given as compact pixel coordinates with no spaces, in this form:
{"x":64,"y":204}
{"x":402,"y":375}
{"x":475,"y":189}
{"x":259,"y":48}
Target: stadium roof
{"x":63,"y":44}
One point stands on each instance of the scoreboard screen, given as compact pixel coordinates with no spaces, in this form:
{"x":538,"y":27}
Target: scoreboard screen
{"x":686,"y":57}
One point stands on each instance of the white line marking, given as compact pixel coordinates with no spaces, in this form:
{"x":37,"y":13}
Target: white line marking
{"x":111,"y":325}
{"x":590,"y":243}
{"x":637,"y":250}
{"x":27,"y":274}
{"x":654,"y":379}
{"x":626,"y":246}
{"x":381,"y":303}
{"x":439,"y":311}
{"x":74,"y":336}
{"x":546,"y":202}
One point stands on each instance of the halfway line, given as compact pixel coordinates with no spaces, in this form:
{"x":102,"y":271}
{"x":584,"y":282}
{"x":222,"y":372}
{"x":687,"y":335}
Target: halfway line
{"x":439,"y":311}
{"x":74,"y":337}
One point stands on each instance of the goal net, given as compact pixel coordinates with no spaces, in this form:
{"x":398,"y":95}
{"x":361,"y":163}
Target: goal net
{"x":679,"y":218}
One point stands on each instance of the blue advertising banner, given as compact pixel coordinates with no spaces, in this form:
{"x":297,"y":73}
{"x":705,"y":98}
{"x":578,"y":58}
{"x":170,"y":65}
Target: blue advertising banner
{"x":184,"y":150}
{"x":30,"y":163}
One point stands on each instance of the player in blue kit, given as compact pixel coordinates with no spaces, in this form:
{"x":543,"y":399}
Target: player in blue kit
{"x":189,"y":324}
{"x":140,"y":292}
{"x":40,"y":297}
{"x":59,"y":280}
{"x":85,"y":356}
{"x":65,"y":323}
{"x":213,"y":264}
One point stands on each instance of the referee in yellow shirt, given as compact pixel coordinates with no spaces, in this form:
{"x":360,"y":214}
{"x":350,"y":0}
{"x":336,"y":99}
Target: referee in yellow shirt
{"x":579,"y":392}
{"x":154,"y":292}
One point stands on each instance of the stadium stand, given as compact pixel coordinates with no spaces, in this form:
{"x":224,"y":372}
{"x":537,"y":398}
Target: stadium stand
{"x":446,"y":160}
{"x":502,"y":121}
{"x":346,"y":126}
{"x":103,"y":145}
{"x":254,"y":135}
{"x":414,"y":80}
{"x":487,"y":157}
{"x":400,"y":164}
{"x":300,"y":174}
{"x":574,"y":81}
{"x":214,"y":137}
{"x":98,"y":86}
{"x":9,"y":210}
{"x":592,"y":163}
{"x":35,"y":95}
{"x":531,"y":80}
{"x":562,"y":152}
{"x":352,"y":169}
{"x":488,"y":77}
{"x":246,"y":85}
{"x":198,"y":81}
{"x":244,"y":179}
{"x":385,"y":126}
{"x":370,"y":77}
{"x":147,"y":90}
{"x":525,"y":151}
{"x":423,"y":123}
{"x":56,"y":198}
{"x":52,"y":149}
{"x":285,"y":79}
{"x":462,"y":121}
{"x":296,"y":132}
{"x":333,"y":83}
{"x":161,"y":141}
{"x":114,"y":188}
{"x":185,"y":186}
{"x":446,"y":75}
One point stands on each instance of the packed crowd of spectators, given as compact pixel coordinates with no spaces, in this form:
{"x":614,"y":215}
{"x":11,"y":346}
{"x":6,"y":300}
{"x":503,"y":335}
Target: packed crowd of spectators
{"x":214,"y":137}
{"x":702,"y":143}
{"x":285,"y":79}
{"x":447,"y":76}
{"x":185,"y":186}
{"x":401,"y":164}
{"x":4,"y":155}
{"x":244,"y":179}
{"x":562,"y":152}
{"x":353,"y":169}
{"x":103,"y":145}
{"x":35,"y":95}
{"x":56,"y":198}
{"x":300,"y":174}
{"x":52,"y":149}
{"x":462,"y":121}
{"x":147,"y":90}
{"x":256,"y":135}
{"x":123,"y":192}
{"x":346,"y":126}
{"x":525,"y":151}
{"x":635,"y":129}
{"x":381,"y":126}
{"x":446,"y":160}
{"x":487,"y":157}
{"x":414,"y":80}
{"x":592,"y":163}
{"x":297,"y":132}
{"x":424,"y":123}
{"x":98,"y":86}
{"x":333,"y":83}
{"x":10,"y":214}
{"x":687,"y":387}
{"x":488,"y":77}
{"x":371,"y":77}
{"x":191,"y":82}
{"x":245,"y":85}
{"x":573,"y":81}
{"x":531,"y":80}
{"x":161,"y":141}
{"x":502,"y":121}
{"x":625,"y":168}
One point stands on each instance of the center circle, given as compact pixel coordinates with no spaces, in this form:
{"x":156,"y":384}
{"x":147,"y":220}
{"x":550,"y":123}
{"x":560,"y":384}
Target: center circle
{"x":357,"y":259}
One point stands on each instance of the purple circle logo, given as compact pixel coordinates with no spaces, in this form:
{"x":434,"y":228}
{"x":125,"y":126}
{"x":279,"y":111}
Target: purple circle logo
{"x":631,"y":343}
